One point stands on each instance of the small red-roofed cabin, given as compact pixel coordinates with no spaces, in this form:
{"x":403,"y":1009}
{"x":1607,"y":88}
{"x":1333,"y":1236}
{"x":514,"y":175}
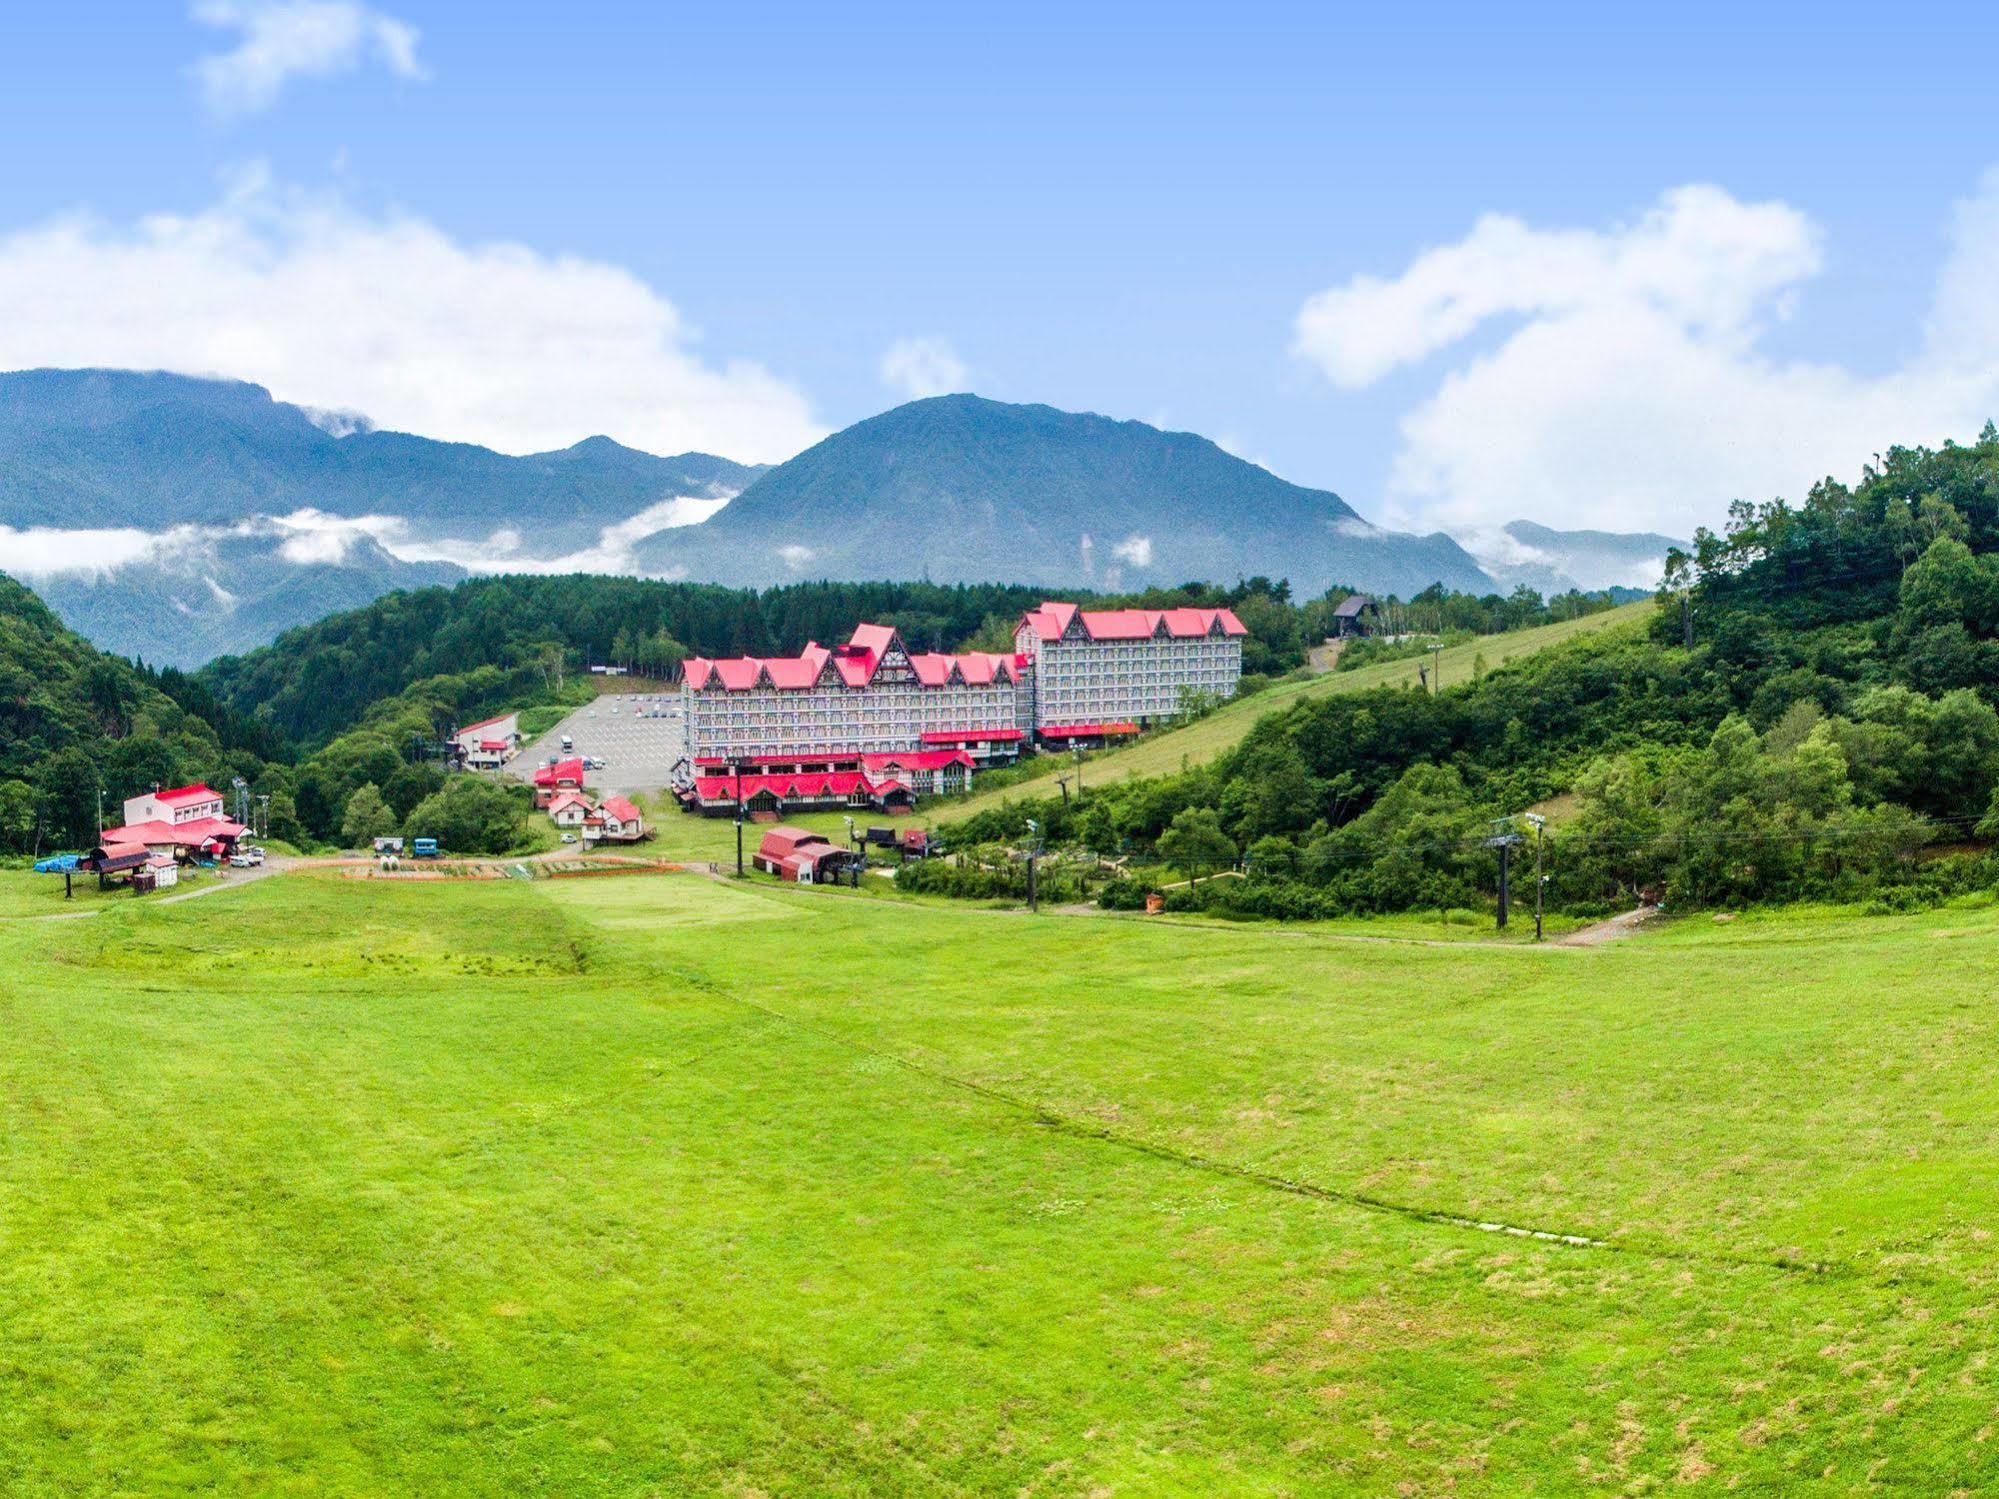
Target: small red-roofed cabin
{"x":569,"y":809}
{"x":620,"y":821}
{"x":803,"y":858}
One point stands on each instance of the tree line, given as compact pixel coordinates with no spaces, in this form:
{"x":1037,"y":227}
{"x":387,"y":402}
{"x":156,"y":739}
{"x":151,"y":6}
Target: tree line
{"x":1832,"y":732}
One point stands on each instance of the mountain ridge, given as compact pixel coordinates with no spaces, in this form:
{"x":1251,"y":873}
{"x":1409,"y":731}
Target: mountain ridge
{"x":965,"y":488}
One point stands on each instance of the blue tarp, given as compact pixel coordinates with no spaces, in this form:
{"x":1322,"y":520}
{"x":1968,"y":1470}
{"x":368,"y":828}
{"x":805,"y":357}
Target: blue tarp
{"x":60,"y":864}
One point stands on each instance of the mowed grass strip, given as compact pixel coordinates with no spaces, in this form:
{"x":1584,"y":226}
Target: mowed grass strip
{"x":703,"y":1202}
{"x":1201,"y":741}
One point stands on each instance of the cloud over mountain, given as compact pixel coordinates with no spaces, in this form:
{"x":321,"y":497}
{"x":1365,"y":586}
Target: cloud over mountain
{"x":1624,"y":375}
{"x":388,"y":315}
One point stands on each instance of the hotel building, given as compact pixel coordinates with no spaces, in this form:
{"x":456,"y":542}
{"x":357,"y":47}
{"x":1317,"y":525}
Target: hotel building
{"x":1075,"y":675}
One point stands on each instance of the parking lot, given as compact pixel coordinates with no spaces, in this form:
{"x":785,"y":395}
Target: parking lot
{"x":637,"y":749}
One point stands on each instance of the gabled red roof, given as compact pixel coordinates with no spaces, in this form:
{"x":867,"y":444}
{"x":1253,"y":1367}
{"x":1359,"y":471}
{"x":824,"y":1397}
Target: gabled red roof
{"x":195,"y":793}
{"x":935,"y":759}
{"x":484,"y":723}
{"x":562,"y":770}
{"x":621,"y":808}
{"x":565,"y":800}
{"x":1051,"y":621}
{"x":782,"y":842}
{"x":187,"y":834}
{"x":855,"y":662}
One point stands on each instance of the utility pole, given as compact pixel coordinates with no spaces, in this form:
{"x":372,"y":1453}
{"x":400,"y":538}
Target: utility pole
{"x":737,"y":767}
{"x":1437,"y":673}
{"x":1077,"y":751}
{"x":1033,"y":851}
{"x":1503,"y":839}
{"x":1540,"y":827}
{"x":1063,"y":782}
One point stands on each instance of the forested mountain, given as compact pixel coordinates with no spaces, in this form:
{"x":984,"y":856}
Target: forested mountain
{"x":96,"y":448}
{"x":962,"y":488}
{"x":74,"y":721}
{"x":228,"y":593}
{"x":177,"y":518}
{"x":185,"y":518}
{"x":1830,"y":733}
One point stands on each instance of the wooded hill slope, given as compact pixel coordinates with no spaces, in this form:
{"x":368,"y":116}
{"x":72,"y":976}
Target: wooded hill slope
{"x":1831,"y":733}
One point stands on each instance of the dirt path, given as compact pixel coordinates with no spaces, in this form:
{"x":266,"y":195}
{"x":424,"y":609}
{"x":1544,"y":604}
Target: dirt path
{"x":1608,"y":931}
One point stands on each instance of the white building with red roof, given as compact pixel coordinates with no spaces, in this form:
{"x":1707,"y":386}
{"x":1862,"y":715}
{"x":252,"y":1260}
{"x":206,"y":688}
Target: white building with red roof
{"x":489,"y":743}
{"x":869,"y":696}
{"x":618,"y":821}
{"x":569,"y":809}
{"x":185,"y":821}
{"x":1102,"y":673}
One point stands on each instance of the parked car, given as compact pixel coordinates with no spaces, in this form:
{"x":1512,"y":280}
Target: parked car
{"x":568,"y":837}
{"x":254,"y":854}
{"x":239,"y":861}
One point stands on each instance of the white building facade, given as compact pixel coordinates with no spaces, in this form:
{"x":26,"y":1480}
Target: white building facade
{"x":1074,"y":674}
{"x":866,"y":697}
{"x":1119,"y":667}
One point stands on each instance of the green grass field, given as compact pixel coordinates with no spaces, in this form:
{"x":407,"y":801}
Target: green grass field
{"x":1200,"y":741}
{"x":657,"y":1185}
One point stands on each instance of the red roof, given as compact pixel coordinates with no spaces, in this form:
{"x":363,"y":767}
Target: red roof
{"x":492,"y":744}
{"x":1087,"y":730}
{"x":562,"y":770}
{"x":195,"y":793}
{"x":567,"y":799}
{"x":935,"y":759}
{"x":973,"y":736}
{"x":187,"y":834}
{"x":484,"y":723}
{"x":783,"y":842}
{"x":854,"y":664}
{"x":1051,"y":621}
{"x":621,"y":808}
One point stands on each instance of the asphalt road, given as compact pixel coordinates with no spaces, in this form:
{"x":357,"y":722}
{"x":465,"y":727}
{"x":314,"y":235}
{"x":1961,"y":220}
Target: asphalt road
{"x":638,"y":751}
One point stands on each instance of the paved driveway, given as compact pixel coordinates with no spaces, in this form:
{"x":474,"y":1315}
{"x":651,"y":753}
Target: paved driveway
{"x":637,"y":749}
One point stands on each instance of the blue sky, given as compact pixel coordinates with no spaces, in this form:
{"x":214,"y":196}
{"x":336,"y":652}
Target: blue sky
{"x":1126,"y":210}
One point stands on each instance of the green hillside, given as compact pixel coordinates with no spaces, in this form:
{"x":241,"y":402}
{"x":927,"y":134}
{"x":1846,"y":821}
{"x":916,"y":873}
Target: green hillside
{"x":1201,"y":741}
{"x":658,"y":1185}
{"x":75,"y":723}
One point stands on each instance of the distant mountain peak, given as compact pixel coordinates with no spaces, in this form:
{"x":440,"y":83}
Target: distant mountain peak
{"x":964,"y":488}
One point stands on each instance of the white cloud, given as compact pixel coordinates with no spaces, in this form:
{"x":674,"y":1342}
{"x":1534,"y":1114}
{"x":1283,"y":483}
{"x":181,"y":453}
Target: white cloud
{"x":285,"y":39}
{"x":795,"y":556}
{"x":920,"y":367}
{"x":502,"y":551}
{"x":1137,"y":550}
{"x":1630,"y":384}
{"x":313,"y":538}
{"x":337,"y":309}
{"x":48,"y":551}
